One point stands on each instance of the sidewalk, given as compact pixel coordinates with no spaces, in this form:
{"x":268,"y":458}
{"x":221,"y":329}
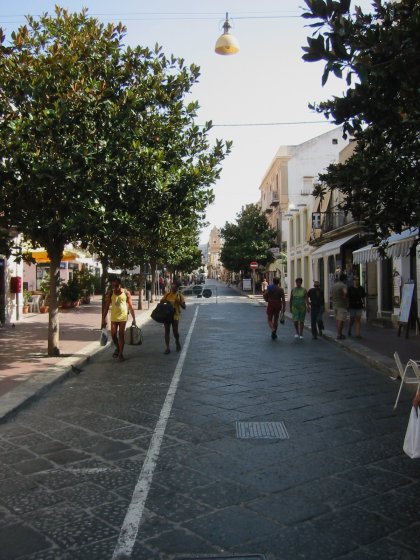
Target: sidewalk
{"x":26,"y":371}
{"x":377,"y":345}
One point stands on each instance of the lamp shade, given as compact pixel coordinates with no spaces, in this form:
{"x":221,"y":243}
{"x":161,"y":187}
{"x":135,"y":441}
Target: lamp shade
{"x":226,"y":43}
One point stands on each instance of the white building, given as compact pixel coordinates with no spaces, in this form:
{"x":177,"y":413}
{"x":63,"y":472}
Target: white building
{"x":286,"y":196}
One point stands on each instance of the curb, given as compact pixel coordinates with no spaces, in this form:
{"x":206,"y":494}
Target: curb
{"x":40,"y":383}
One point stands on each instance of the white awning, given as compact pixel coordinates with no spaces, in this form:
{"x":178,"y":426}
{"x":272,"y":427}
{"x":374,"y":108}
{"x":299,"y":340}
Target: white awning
{"x":398,"y":246}
{"x":365,"y":255}
{"x":333,"y":247}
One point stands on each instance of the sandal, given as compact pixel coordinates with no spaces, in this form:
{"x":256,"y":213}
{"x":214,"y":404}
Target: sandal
{"x":116,"y":354}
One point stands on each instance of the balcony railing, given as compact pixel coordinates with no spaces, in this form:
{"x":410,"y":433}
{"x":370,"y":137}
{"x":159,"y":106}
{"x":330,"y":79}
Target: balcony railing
{"x":274,"y":199}
{"x":334,"y":220}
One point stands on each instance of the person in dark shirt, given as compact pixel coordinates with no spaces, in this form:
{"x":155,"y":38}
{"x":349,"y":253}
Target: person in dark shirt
{"x":274,"y":296}
{"x":357,"y":303}
{"x":317,"y":305}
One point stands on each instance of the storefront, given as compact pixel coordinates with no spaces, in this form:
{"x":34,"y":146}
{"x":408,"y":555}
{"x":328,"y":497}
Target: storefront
{"x":387,"y":273}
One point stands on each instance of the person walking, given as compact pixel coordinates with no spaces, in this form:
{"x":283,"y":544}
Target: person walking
{"x":274,"y":296}
{"x":340,"y":304}
{"x":161,"y":285}
{"x":177,"y":300}
{"x":357,"y":302}
{"x":264,"y":285}
{"x":298,"y":307}
{"x":317,"y":306}
{"x":119,"y":299}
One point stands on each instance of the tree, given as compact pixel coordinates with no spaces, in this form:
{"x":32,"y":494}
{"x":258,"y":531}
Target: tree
{"x":379,"y":55}
{"x":95,"y":138}
{"x":246,"y":241}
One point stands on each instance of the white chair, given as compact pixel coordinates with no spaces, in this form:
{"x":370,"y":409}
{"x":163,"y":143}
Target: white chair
{"x":412,"y":366}
{"x":34,"y":304}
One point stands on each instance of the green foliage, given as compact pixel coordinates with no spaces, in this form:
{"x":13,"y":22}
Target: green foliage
{"x":45,"y":285}
{"x":379,"y":55}
{"x":78,"y":286}
{"x":98,"y":143}
{"x":249,"y":239}
{"x":71,"y":291}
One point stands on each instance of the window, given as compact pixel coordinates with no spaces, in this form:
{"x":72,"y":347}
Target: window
{"x":307,"y":186}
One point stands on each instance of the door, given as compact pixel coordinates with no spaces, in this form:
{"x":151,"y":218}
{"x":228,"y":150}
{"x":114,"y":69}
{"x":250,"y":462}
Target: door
{"x":371,"y":290}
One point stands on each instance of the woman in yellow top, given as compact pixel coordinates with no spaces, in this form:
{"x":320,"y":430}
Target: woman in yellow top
{"x":120,"y":301}
{"x":177,"y":300}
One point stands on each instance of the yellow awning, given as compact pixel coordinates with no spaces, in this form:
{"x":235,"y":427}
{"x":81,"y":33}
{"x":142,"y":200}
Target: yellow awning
{"x":41,"y":256}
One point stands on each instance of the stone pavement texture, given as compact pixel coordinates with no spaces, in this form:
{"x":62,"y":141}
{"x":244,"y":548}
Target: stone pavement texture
{"x":26,"y":371}
{"x":339,"y":487}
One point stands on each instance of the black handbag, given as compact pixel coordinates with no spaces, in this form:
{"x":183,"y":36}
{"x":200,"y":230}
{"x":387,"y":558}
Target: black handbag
{"x":163,"y":312}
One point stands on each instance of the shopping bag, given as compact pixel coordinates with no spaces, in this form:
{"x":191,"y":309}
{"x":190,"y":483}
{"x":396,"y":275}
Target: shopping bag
{"x":412,"y":436}
{"x":282,"y":317}
{"x":163,"y":312}
{"x":104,"y":337}
{"x":133,"y":335}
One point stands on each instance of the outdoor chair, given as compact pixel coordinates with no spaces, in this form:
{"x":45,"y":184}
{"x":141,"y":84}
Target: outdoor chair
{"x":410,"y":374}
{"x":34,"y":304}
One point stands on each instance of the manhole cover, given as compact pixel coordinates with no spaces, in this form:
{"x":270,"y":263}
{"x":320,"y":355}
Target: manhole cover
{"x":261,"y":430}
{"x":246,"y":557}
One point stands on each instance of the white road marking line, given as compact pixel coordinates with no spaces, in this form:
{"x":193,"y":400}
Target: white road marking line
{"x":134,"y":514}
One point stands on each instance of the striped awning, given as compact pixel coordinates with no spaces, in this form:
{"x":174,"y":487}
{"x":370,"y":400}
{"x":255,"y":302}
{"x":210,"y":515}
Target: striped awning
{"x":365,"y":255}
{"x":398,"y":246}
{"x":41,"y":256}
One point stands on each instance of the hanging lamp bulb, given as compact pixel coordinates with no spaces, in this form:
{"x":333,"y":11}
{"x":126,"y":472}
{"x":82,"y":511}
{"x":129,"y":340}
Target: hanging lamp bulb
{"x":226,"y":43}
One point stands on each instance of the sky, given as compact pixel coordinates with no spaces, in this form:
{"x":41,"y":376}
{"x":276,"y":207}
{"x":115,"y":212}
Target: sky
{"x":244,"y":94}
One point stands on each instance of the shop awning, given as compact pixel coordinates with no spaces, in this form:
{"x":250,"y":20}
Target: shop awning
{"x":399,"y":245}
{"x":41,"y":256}
{"x":333,"y":247}
{"x":365,"y":255}
{"x":277,"y":264}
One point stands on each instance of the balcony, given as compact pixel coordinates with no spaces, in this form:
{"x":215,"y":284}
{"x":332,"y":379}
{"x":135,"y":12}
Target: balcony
{"x":334,"y":220}
{"x":274,"y":199}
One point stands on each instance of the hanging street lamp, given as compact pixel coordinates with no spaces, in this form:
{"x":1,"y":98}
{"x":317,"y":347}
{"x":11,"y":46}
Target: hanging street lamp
{"x":226,"y":43}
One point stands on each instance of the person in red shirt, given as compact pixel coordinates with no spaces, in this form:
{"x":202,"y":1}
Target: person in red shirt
{"x":274,"y":296}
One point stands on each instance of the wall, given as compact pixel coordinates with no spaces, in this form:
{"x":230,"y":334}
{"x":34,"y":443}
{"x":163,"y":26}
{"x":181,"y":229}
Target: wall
{"x":12,"y":302}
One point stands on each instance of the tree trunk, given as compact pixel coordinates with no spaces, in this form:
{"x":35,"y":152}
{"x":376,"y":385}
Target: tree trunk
{"x":55,"y":256}
{"x":153,"y":295}
{"x":142,"y":279}
{"x":104,"y":278}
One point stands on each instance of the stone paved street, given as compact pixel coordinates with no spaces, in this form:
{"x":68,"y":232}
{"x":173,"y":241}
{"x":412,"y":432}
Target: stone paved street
{"x":339,"y":487}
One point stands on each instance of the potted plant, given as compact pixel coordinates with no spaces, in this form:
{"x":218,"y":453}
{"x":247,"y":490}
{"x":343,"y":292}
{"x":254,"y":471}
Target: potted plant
{"x":25,"y":306}
{"x":70,"y":294}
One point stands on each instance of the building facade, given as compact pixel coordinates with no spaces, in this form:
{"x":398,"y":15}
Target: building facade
{"x":11,"y":300}
{"x":286,"y":198}
{"x":214,"y":246}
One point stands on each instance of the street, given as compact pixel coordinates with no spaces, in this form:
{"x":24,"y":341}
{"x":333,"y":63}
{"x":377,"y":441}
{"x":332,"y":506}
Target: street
{"x":167,"y":457}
